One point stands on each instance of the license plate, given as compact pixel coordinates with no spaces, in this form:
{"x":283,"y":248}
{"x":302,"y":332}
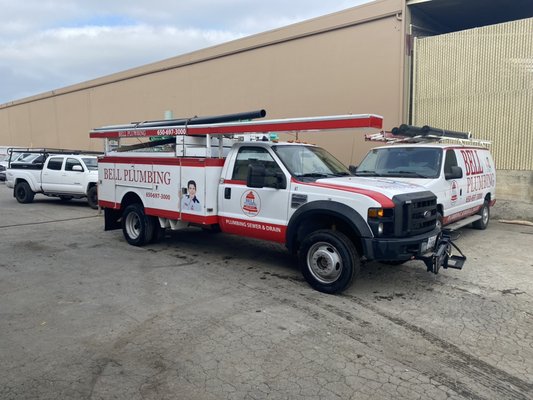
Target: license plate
{"x":431,"y":242}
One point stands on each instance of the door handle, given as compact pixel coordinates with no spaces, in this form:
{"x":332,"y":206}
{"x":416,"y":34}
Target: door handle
{"x":227,"y":193}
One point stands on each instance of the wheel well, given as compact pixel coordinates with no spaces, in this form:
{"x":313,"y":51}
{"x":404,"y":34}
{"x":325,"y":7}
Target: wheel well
{"x":487,"y":197}
{"x":113,"y":217}
{"x":319,"y":221}
{"x":440,"y":209}
{"x":20,"y":180}
{"x":130,"y":198}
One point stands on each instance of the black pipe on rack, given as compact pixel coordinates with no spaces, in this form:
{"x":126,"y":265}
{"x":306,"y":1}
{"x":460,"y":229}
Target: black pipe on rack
{"x":216,"y":119}
{"x":413,"y":131}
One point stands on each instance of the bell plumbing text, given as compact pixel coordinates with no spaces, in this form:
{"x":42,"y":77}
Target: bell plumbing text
{"x":138,"y":176}
{"x":479,"y":182}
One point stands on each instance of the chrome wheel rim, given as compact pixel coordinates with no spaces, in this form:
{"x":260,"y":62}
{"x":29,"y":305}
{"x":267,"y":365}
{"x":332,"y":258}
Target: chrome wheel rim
{"x":324,"y":262}
{"x":485,"y":215}
{"x":133,"y":225}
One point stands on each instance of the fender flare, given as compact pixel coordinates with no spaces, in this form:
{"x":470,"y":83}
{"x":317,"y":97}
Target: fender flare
{"x":324,"y":207}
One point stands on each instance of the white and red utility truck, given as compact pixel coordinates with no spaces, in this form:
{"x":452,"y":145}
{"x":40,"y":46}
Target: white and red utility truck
{"x":292,"y":193}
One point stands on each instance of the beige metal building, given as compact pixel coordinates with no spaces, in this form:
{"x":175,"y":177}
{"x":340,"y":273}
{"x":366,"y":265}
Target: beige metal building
{"x":460,"y":65}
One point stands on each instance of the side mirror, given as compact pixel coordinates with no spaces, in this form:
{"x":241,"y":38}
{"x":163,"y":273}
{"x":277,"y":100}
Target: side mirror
{"x":281,"y":181}
{"x":352,"y":169}
{"x":77,"y":168}
{"x":455,"y":173}
{"x":256,"y":176}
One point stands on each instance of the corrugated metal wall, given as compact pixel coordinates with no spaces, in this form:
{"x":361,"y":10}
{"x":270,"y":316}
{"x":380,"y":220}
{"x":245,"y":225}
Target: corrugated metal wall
{"x":480,"y":80}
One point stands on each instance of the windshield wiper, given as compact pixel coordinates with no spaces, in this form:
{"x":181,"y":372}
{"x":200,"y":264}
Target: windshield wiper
{"x":313,"y":175}
{"x":366,"y":173}
{"x":410,"y":173}
{"x":341,"y":174}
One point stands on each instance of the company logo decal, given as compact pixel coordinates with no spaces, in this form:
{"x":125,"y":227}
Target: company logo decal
{"x":454,"y":191}
{"x":250,"y":203}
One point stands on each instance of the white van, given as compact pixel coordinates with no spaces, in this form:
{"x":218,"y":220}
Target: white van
{"x":462,"y":177}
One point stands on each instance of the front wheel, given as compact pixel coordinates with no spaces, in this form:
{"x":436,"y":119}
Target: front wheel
{"x":485,"y":217}
{"x":137,"y":227}
{"x":328,"y":260}
{"x":92,"y":197}
{"x":23,"y":192}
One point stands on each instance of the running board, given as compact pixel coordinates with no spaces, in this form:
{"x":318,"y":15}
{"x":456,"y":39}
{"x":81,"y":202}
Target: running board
{"x":463,"y":222}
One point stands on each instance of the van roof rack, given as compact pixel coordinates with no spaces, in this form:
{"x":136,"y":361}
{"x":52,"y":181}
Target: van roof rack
{"x":425,"y":134}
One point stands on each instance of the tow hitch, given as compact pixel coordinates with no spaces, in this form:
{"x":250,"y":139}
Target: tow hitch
{"x":442,"y":257}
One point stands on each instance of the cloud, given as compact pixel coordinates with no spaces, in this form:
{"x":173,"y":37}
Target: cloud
{"x":49,"y":44}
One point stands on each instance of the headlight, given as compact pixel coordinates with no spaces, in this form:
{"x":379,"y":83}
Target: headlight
{"x":381,"y":221}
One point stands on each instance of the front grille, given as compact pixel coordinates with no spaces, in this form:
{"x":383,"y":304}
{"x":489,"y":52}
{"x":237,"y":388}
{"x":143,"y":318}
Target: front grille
{"x":416,"y":213}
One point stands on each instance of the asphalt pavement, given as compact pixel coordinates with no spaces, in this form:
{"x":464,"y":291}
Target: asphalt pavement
{"x":84,"y":315}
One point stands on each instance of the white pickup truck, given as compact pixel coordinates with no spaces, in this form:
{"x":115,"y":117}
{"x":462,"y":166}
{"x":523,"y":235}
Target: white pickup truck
{"x":290,"y":193}
{"x":67,"y":176}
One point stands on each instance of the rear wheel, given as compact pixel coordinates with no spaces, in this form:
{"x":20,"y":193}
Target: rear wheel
{"x":137,"y":227}
{"x":92,"y":197}
{"x":328,"y":260}
{"x":23,"y":192}
{"x":485,"y":217}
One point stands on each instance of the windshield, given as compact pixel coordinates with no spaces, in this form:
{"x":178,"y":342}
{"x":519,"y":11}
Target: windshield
{"x":91,"y":163}
{"x":404,"y":162}
{"x":310,"y":163}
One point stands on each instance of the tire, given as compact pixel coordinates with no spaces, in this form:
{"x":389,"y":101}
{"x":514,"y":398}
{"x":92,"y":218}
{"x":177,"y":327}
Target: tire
{"x":137,"y":228}
{"x":485,"y":217}
{"x":328,"y":260}
{"x":23,"y":192}
{"x":92,"y":197}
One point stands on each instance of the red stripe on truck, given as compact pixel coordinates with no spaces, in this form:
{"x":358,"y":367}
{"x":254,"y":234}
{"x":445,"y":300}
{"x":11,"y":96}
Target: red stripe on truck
{"x":184,"y":162}
{"x":379,"y":197}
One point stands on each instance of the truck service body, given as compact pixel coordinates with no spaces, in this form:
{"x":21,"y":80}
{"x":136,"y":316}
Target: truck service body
{"x":291,"y":193}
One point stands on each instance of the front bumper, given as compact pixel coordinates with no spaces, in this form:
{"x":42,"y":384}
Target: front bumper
{"x":390,"y":249}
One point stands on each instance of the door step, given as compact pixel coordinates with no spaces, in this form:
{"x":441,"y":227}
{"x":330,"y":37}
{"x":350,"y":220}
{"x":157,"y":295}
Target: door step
{"x":463,"y":222}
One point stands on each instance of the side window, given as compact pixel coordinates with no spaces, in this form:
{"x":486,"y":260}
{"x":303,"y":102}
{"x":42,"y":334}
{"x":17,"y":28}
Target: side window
{"x":55,"y":163}
{"x":450,"y":161}
{"x":70,"y":163}
{"x":253,"y":155}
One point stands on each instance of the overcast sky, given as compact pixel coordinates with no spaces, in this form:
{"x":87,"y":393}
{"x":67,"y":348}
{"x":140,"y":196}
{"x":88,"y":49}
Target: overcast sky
{"x":50,"y":44}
